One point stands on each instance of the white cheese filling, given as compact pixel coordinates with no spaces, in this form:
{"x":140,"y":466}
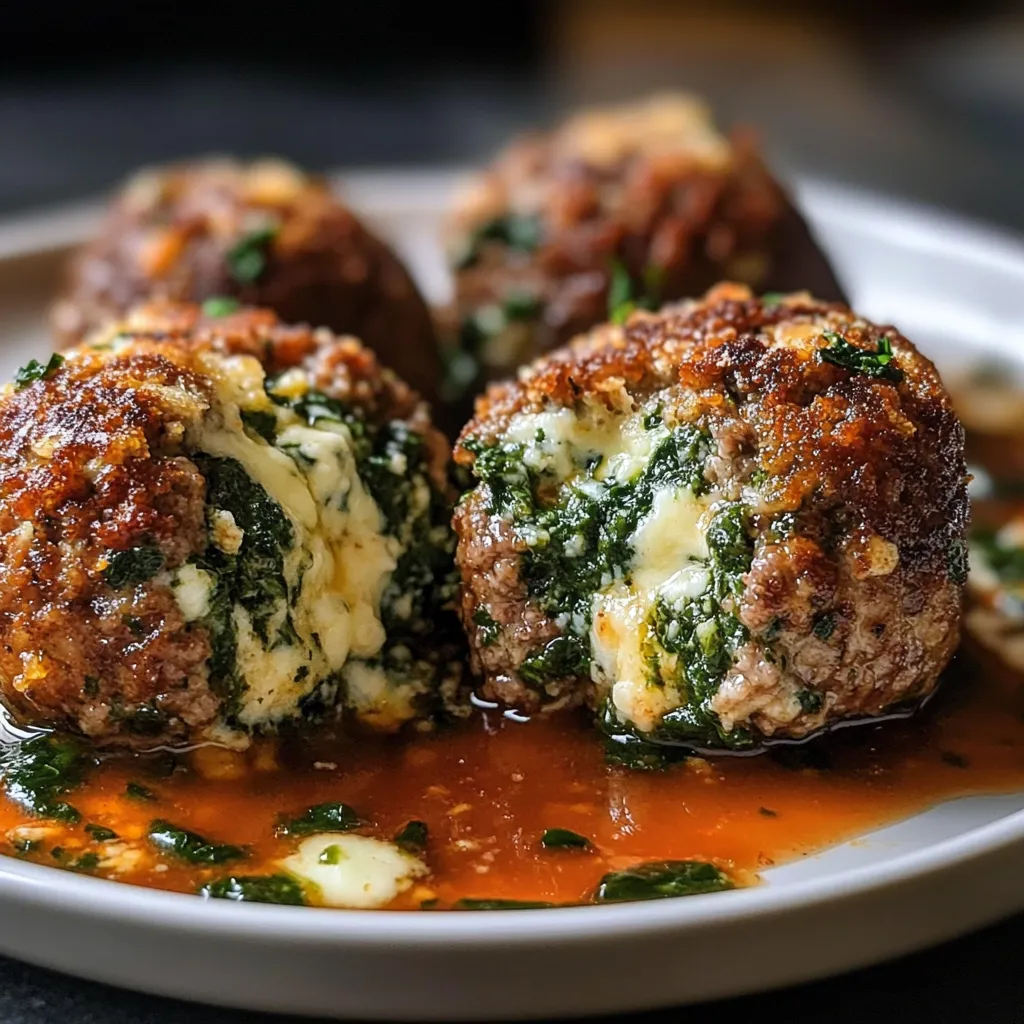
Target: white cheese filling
{"x":668,"y":562}
{"x":335,"y":572}
{"x":353,"y":871}
{"x":669,"y":547}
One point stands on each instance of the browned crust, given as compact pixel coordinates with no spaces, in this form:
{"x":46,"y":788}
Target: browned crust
{"x":168,"y":235}
{"x":698,"y":221}
{"x":94,"y":459}
{"x":856,"y":458}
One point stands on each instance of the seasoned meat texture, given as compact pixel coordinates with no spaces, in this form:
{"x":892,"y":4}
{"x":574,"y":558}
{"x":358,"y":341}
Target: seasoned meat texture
{"x":213,"y":526}
{"x":644,"y":203}
{"x":264,"y":234}
{"x":728,"y":521}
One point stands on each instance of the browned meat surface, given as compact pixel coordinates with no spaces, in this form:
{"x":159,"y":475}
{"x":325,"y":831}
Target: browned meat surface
{"x":824,"y":484}
{"x":264,"y":234}
{"x":647,"y":202}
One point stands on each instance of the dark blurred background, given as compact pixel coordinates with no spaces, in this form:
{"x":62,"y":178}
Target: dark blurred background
{"x":923,"y":100}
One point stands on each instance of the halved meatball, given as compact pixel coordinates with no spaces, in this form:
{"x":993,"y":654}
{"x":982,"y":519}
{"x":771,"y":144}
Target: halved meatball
{"x":264,"y":234}
{"x":641,"y":204}
{"x":210,"y":527}
{"x":728,"y":521}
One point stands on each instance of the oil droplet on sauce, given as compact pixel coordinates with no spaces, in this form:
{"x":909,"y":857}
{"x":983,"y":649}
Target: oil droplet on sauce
{"x":489,"y":788}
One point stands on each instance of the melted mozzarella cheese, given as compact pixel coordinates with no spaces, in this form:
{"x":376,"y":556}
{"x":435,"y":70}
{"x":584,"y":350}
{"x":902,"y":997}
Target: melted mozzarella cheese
{"x":563,"y":441}
{"x":670,"y":553}
{"x":339,"y":564}
{"x":354,"y":871}
{"x":192,"y":588}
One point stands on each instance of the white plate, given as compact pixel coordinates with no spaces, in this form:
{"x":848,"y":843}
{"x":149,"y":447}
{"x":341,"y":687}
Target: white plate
{"x":955,"y":288}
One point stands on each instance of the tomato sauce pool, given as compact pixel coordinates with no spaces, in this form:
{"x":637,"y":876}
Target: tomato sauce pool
{"x":489,"y":788}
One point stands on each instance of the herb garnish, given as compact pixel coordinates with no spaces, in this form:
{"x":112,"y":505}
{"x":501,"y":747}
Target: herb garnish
{"x":622,"y":297}
{"x":220,"y":305}
{"x":261,"y":423}
{"x":247,"y":258}
{"x":100,"y":833}
{"x":488,"y":630}
{"x":563,"y":839}
{"x":281,"y":889}
{"x":33,"y":370}
{"x":331,"y":855}
{"x":520,"y":232}
{"x":37,"y":772}
{"x":133,"y":566}
{"x":190,"y":846}
{"x":873,"y":364}
{"x":559,"y":658}
{"x":412,"y":837}
{"x":824,"y":625}
{"x":327,"y":817}
{"x":137,"y":791}
{"x":662,"y":879}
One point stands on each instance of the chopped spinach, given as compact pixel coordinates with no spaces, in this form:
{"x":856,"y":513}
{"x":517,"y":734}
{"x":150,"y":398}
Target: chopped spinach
{"x":662,"y":879}
{"x":84,"y":862}
{"x":581,"y":542}
{"x":958,"y":567}
{"x":133,"y":566}
{"x":283,"y":889}
{"x":700,"y":637}
{"x":220,"y":305}
{"x":136,"y":791}
{"x":412,"y":837}
{"x":261,"y":423}
{"x":564,"y":839}
{"x":488,"y":630}
{"x":145,"y":720}
{"x":810,"y":701}
{"x":561,"y":657}
{"x":417,"y":606}
{"x":254,"y":576}
{"x":824,"y":625}
{"x":37,"y":772}
{"x":772,"y":299}
{"x":327,"y":817}
{"x":247,"y":258}
{"x":33,"y":370}
{"x":520,"y":232}
{"x":100,"y":833}
{"x":190,"y":846}
{"x":624,"y":298}
{"x":471,"y":904}
{"x":331,"y":855}
{"x":485,"y":324}
{"x":873,"y":364}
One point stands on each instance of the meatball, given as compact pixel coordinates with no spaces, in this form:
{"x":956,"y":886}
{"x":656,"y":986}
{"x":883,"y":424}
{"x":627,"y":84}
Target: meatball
{"x":264,"y":234}
{"x":211,"y":527}
{"x":727,"y":522}
{"x":633,"y":205}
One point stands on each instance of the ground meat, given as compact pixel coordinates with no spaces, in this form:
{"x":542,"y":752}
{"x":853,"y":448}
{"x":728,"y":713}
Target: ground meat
{"x":649,"y":198}
{"x":101,"y":456}
{"x":265,"y":234}
{"x":826,"y":477}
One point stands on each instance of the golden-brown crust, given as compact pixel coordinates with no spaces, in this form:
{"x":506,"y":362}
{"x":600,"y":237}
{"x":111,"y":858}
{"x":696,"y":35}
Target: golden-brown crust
{"x":169,"y":234}
{"x":95,"y":458}
{"x":872,"y":469}
{"x":651,"y":187}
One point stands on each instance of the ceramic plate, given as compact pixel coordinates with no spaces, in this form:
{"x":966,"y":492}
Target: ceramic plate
{"x":955,"y":288}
